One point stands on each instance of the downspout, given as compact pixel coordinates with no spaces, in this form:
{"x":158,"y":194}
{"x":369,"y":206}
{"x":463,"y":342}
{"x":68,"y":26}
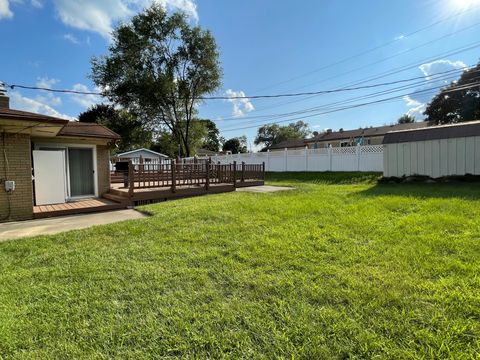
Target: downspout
{"x":6,"y":172}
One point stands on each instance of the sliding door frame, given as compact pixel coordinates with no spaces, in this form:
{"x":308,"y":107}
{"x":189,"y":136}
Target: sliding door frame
{"x":65,"y":147}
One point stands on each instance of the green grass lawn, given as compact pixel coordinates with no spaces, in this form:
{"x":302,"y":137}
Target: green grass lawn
{"x":341,"y":267}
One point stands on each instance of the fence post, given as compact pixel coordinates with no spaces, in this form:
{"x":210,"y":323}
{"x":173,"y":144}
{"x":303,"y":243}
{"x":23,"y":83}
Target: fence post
{"x":243,"y":172}
{"x":306,"y":158}
{"x":268,"y":159}
{"x":174,"y":177}
{"x":286,"y":159}
{"x":234,"y":174}
{"x":131,"y":179}
{"x":263,"y":170}
{"x":207,"y":177}
{"x":329,"y":152}
{"x":357,"y":153}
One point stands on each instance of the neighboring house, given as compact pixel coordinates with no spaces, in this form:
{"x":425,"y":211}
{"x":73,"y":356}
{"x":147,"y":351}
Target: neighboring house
{"x":146,"y":154}
{"x":342,"y":138}
{"x":435,"y":151}
{"x":46,"y":160}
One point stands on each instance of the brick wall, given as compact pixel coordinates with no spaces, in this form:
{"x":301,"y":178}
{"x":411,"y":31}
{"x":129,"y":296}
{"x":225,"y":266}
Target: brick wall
{"x":103,"y":169}
{"x":17,"y":150}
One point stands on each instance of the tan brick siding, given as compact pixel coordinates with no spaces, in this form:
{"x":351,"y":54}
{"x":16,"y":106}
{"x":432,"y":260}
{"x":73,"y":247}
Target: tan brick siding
{"x":103,"y":169}
{"x":17,"y":150}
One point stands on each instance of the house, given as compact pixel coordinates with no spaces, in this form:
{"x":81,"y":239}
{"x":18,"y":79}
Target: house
{"x":47,"y":160}
{"x":145,"y":154}
{"x":342,"y":138}
{"x":435,"y":151}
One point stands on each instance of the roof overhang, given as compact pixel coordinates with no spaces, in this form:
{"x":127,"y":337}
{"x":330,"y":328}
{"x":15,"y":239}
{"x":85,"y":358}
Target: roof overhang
{"x":35,"y":128}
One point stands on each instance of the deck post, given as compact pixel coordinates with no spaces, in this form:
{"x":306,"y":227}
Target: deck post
{"x":243,"y":172}
{"x":263,"y":170}
{"x":235,"y":174}
{"x":131,"y":178}
{"x":207,"y":175}
{"x":174,"y":169}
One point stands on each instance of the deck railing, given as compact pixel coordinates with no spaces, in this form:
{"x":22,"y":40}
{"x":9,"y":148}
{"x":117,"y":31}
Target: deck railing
{"x":203,"y":174}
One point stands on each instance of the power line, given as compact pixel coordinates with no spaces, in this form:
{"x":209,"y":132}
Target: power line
{"x":394,"y":71}
{"x":345,"y":89}
{"x":365,"y":66}
{"x":351,"y":57}
{"x":398,"y":97}
{"x":433,"y":78}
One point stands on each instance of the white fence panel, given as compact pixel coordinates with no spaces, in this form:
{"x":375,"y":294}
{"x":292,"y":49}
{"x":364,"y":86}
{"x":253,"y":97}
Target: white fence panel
{"x":434,"y":158}
{"x":354,"y":158}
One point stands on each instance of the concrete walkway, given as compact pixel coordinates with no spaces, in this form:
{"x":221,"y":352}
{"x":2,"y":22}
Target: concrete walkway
{"x":264,"y":189}
{"x":19,"y":229}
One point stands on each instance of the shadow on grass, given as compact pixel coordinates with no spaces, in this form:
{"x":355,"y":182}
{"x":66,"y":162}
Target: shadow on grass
{"x":424,"y":190}
{"x":333,"y":178}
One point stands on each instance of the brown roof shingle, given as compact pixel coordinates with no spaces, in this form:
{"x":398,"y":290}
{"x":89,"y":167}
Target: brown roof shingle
{"x":466,"y":129}
{"x":11,"y":114}
{"x":79,"y":129}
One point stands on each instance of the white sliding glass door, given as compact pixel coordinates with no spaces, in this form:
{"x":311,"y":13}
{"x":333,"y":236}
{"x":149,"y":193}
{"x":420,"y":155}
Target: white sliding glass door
{"x":81,"y":172}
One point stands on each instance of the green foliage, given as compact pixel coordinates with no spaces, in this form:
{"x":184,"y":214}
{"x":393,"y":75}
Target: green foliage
{"x":273,"y":134}
{"x":159,"y":67}
{"x":131,"y":129}
{"x":330,"y":270}
{"x":236,"y":145}
{"x":454,"y":105}
{"x":406,"y":119}
{"x":204,"y":134}
{"x":212,"y":139}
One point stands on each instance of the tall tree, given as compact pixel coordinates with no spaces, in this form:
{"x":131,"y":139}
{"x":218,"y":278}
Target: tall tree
{"x":406,"y":119}
{"x":129,"y":127}
{"x":459,"y":101}
{"x":212,"y":138}
{"x":159,"y":67}
{"x":236,"y":145}
{"x":273,"y":134}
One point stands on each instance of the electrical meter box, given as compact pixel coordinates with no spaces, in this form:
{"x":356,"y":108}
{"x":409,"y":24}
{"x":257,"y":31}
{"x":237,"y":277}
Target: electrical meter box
{"x":9,"y":185}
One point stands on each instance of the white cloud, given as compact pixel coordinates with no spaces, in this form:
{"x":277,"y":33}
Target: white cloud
{"x":416,"y":108}
{"x":100,"y":16}
{"x":438,"y":66}
{"x":417,"y":103}
{"x":86,"y":101}
{"x":240,"y":106}
{"x":47,"y":98}
{"x":33,"y":105}
{"x":5,"y":11}
{"x":72,"y":38}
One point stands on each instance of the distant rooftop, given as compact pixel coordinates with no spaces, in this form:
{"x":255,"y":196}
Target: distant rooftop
{"x":465,"y":129}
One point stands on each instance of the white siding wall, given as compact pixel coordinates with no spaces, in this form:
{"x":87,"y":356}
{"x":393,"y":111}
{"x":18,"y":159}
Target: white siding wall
{"x":355,"y":158}
{"x":434,"y":158}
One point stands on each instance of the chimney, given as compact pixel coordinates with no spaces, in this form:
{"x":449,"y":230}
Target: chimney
{"x":4,"y":99}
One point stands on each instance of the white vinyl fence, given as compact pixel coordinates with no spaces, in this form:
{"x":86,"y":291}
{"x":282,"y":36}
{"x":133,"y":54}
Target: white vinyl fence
{"x":354,"y":158}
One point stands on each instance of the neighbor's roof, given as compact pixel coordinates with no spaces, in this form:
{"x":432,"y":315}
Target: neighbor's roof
{"x":466,"y":129}
{"x":371,"y":131}
{"x":350,"y":134}
{"x":80,"y":129}
{"x":142,"y":149}
{"x":11,"y":114}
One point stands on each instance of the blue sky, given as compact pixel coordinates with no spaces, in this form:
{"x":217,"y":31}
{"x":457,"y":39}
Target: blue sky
{"x":267,"y":47}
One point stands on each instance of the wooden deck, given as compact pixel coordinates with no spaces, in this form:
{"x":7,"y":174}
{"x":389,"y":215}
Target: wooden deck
{"x":155,"y":194}
{"x":76,"y":207}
